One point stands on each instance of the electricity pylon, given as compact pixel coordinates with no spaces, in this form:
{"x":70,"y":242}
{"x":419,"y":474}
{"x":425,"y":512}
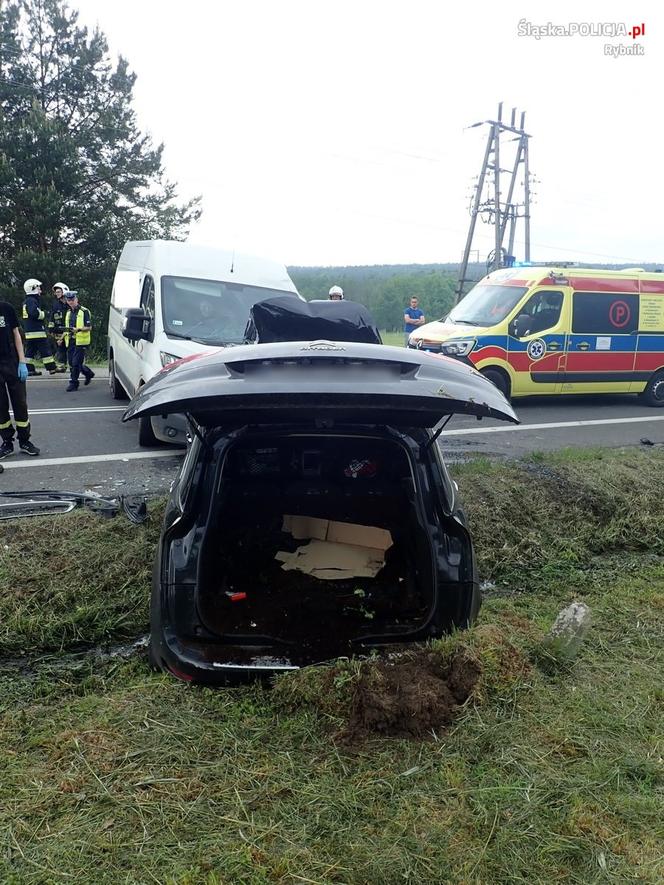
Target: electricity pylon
{"x":487,"y":200}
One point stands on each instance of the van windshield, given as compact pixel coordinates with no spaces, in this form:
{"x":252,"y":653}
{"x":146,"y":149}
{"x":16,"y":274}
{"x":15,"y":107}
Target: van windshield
{"x":209,"y":311}
{"x":486,"y":305}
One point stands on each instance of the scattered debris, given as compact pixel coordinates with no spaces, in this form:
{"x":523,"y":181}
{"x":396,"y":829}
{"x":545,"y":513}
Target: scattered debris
{"x":43,"y":503}
{"x":32,"y":665}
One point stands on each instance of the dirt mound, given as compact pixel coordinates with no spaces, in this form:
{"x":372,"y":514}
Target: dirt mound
{"x":410,"y":696}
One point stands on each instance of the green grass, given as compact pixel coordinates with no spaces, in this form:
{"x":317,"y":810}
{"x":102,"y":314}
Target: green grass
{"x":74,"y":579}
{"x":395,"y":339}
{"x":550,"y":518}
{"x":113,"y":774}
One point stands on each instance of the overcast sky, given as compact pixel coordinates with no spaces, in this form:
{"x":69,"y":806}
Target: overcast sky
{"x":334,"y":133}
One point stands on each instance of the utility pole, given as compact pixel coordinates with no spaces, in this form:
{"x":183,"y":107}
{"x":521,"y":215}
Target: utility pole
{"x":489,"y":206}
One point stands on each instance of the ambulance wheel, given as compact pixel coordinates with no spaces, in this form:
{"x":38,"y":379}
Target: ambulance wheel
{"x":500,"y":379}
{"x":654,"y":392}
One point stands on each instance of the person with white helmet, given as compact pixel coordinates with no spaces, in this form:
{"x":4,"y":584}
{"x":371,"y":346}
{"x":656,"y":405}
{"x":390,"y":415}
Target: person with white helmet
{"x":336,"y":293}
{"x":56,"y":323}
{"x":37,"y":343}
{"x":13,"y":374}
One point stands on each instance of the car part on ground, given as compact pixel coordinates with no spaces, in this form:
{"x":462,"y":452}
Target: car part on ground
{"x":43,"y":503}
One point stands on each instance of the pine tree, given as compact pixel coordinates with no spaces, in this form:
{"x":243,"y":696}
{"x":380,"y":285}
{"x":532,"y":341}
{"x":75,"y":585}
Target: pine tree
{"x":77,"y":177}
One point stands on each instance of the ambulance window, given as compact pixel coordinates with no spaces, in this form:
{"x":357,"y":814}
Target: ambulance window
{"x":486,"y":305}
{"x":539,"y":313}
{"x":605,"y":313}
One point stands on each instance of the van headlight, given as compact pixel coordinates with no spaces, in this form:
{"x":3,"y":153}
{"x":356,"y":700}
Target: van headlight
{"x":168,"y":358}
{"x":458,"y":348}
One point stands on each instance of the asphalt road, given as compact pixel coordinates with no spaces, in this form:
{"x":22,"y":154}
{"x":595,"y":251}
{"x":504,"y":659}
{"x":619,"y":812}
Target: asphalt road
{"x":84,"y":444}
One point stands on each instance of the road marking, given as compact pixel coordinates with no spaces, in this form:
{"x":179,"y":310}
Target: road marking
{"x":552,"y":426}
{"x":89,"y":459}
{"x":160,"y":453}
{"x":75,"y":410}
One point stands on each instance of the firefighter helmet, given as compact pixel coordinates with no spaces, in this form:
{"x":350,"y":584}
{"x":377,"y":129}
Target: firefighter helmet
{"x":336,"y":293}
{"x":30,"y":286}
{"x":63,"y":286}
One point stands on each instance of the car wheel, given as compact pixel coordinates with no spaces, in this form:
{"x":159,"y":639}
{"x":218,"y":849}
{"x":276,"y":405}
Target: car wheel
{"x":117,"y":390}
{"x":499,"y":379}
{"x":146,"y":437}
{"x":653,"y":395}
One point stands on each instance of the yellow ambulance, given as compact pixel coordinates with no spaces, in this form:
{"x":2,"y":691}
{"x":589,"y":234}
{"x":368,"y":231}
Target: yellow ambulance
{"x":551,"y":330}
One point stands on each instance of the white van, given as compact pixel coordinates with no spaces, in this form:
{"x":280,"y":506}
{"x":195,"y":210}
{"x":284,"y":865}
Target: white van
{"x":190,"y":299}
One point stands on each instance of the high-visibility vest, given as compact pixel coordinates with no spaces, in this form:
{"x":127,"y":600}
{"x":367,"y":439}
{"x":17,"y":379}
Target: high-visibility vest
{"x":82,"y":338}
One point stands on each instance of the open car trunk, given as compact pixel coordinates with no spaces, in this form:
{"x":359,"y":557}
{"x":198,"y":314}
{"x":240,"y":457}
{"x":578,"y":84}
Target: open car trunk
{"x":248,"y":600}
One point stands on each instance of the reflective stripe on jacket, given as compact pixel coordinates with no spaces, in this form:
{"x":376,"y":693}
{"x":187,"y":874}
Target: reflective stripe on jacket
{"x":82,"y":318}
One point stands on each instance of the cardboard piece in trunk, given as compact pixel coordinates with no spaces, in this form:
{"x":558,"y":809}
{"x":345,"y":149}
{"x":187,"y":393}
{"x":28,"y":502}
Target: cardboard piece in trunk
{"x":336,"y":550}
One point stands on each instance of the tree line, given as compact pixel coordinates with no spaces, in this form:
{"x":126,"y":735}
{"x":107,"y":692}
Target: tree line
{"x":77,"y":176}
{"x":384,"y":289}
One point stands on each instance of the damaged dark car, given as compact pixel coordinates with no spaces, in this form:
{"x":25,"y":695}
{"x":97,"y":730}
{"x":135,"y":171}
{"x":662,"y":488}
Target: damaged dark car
{"x":313,"y":516}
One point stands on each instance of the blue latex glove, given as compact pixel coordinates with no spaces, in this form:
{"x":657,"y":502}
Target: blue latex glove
{"x":22,"y":372}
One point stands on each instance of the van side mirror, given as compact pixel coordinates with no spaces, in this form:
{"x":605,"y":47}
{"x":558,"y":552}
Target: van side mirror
{"x":521,"y":325}
{"x":137,"y":325}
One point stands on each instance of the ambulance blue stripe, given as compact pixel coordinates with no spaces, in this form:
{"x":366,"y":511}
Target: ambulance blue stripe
{"x":517,"y":346}
{"x":492,"y":341}
{"x":619,"y":343}
{"x":651,"y":343}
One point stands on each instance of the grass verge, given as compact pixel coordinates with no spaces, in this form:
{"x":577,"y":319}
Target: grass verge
{"x":74,"y":579}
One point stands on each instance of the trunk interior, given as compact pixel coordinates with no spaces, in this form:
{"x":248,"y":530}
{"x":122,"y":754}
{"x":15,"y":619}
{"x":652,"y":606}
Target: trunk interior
{"x":351,"y":479}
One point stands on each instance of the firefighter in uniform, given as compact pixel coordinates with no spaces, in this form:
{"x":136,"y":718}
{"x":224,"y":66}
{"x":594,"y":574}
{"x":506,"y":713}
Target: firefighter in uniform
{"x":56,"y":323}
{"x":37,"y":343}
{"x":78,"y":325}
{"x":13,"y":373}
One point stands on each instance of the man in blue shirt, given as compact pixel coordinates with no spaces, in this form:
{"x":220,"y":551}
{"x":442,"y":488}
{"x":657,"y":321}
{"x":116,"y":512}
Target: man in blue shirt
{"x":412,"y":318}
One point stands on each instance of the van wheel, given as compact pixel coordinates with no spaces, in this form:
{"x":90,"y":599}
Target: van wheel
{"x":146,"y":437}
{"x":500,"y":379}
{"x":653,"y":395}
{"x":117,"y":390}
